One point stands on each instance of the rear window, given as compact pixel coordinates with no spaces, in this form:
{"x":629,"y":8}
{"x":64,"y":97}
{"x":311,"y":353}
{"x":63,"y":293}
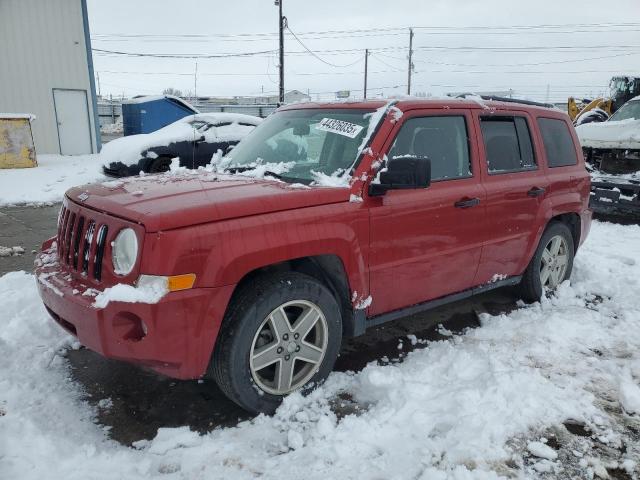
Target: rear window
{"x":558,"y":143}
{"x":508,"y":145}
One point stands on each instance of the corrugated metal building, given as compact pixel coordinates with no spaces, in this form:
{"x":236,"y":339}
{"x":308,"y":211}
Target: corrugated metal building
{"x":47,"y":70}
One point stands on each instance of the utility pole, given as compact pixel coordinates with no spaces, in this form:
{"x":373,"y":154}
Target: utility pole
{"x":99,"y":91}
{"x":410,"y":61}
{"x":366,"y":58}
{"x":195,"y":85}
{"x":282,"y":24}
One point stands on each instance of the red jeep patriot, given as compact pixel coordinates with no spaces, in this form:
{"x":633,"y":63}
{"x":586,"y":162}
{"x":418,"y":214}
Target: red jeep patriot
{"x":326,"y":220}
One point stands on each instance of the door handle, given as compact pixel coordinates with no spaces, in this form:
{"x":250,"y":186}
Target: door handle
{"x":536,"y":192}
{"x":467,"y":203}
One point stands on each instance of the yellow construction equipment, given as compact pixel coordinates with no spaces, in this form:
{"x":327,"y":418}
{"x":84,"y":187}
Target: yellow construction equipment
{"x":621,"y":90}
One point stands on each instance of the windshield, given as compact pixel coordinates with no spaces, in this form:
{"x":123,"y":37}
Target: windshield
{"x":303,"y":145}
{"x":630,"y":110}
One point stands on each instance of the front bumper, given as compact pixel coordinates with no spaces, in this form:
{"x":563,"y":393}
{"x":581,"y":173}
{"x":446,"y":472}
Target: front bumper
{"x":174,"y":337}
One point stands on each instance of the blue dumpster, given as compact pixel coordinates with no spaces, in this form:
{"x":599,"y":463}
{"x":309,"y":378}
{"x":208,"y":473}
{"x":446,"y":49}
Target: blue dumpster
{"x":148,"y":114}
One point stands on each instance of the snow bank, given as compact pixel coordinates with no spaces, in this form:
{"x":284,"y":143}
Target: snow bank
{"x":467,"y":407}
{"x":616,"y":134}
{"x":47,"y":182}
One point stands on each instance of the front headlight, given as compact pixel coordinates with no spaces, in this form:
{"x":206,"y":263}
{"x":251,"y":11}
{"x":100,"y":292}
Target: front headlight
{"x":124,"y":251}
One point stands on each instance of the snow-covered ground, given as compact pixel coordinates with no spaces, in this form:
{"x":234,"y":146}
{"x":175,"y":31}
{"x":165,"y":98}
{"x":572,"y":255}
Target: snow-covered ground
{"x":489,"y":403}
{"x":47,"y":182}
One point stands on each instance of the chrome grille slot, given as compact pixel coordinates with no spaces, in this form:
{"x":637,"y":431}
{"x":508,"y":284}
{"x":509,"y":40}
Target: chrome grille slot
{"x":100,"y":246}
{"x":63,"y":230}
{"x":76,"y":241}
{"x":68,"y":237}
{"x":86,"y":249}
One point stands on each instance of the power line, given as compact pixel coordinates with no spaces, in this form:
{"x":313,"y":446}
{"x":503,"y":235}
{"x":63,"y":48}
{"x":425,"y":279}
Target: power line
{"x":318,"y":57}
{"x":380,"y":29}
{"x":178,"y":55}
{"x":503,"y":49}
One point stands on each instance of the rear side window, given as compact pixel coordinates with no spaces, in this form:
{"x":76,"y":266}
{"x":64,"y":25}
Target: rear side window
{"x":442,"y":139}
{"x":558,"y":143}
{"x":507,"y":142}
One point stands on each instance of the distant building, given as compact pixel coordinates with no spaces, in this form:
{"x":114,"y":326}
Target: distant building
{"x":47,"y":71}
{"x":291,"y":96}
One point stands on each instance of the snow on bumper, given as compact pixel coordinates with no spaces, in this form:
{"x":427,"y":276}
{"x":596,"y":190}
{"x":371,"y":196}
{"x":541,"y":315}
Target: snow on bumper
{"x":174,"y":336}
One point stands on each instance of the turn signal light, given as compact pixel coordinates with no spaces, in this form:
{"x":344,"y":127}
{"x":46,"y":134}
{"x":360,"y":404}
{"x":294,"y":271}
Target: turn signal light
{"x":181,"y":282}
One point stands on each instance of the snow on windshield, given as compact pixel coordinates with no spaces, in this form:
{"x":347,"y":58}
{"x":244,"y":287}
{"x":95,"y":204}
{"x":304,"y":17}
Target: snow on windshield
{"x":322,"y":145}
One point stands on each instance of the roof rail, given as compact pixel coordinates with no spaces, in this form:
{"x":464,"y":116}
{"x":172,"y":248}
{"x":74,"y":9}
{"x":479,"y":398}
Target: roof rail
{"x":506,"y":99}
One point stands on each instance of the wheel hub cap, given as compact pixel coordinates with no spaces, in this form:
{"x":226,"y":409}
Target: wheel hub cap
{"x":289,"y":347}
{"x":554,"y":262}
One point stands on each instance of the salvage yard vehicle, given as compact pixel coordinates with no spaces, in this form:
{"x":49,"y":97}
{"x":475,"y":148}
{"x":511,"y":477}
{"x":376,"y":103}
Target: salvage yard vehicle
{"x":194,"y":140}
{"x":612,"y":153}
{"x":349,"y":215}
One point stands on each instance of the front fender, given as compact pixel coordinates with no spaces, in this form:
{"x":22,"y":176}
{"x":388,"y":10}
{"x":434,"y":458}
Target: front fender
{"x":222,"y":253}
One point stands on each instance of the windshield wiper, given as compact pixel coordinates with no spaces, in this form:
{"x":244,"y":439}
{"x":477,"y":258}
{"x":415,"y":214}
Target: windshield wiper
{"x":269,"y":173}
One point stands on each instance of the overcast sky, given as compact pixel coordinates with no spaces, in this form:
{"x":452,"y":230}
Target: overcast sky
{"x":561,"y":47}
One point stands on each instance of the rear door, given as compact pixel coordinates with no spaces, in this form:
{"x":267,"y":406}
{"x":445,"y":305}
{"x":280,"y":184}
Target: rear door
{"x":516,"y":185}
{"x":425,"y":242}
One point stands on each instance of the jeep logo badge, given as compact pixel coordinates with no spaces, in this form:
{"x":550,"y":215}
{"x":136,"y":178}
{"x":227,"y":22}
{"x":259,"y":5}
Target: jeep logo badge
{"x":83,"y":196}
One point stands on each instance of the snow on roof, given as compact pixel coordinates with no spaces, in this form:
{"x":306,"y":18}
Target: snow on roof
{"x":223,"y":117}
{"x":153,"y":98}
{"x":29,"y":116}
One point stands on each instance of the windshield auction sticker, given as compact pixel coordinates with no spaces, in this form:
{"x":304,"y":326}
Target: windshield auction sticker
{"x":340,"y":127}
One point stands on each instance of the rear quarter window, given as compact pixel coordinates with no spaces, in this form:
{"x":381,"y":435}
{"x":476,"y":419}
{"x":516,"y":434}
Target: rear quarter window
{"x":558,"y":142}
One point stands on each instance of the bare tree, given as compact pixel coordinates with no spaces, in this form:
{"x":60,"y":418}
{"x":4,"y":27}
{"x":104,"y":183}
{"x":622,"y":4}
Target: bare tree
{"x":172,"y":91}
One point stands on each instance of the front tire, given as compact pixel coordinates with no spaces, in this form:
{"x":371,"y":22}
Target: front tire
{"x":551,"y":264}
{"x":281,"y":333}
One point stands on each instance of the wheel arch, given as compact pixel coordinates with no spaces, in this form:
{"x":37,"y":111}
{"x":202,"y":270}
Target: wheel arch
{"x":328,"y":269}
{"x":573,"y":222}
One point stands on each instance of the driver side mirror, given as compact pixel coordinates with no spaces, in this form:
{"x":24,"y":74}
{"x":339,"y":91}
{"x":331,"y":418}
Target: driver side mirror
{"x":403,"y":173}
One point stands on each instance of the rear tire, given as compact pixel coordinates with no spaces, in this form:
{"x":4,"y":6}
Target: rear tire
{"x":551,"y":264}
{"x":281,"y":333}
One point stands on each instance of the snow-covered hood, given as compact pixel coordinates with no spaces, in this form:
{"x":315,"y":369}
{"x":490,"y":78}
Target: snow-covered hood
{"x":162,"y":202}
{"x":622,"y":134}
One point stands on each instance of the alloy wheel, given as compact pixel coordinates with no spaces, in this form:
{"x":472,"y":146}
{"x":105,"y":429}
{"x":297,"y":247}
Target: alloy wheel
{"x":554,"y":262}
{"x":289,"y":346}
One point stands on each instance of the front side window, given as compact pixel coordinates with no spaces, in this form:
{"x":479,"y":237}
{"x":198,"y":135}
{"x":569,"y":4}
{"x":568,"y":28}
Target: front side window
{"x":303,"y":145}
{"x":558,"y":143}
{"x":443,"y":140}
{"x":507,"y":144}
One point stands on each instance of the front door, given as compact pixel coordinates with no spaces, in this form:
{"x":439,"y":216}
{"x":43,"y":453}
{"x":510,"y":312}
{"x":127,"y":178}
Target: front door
{"x":425,"y":242}
{"x":72,"y":117}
